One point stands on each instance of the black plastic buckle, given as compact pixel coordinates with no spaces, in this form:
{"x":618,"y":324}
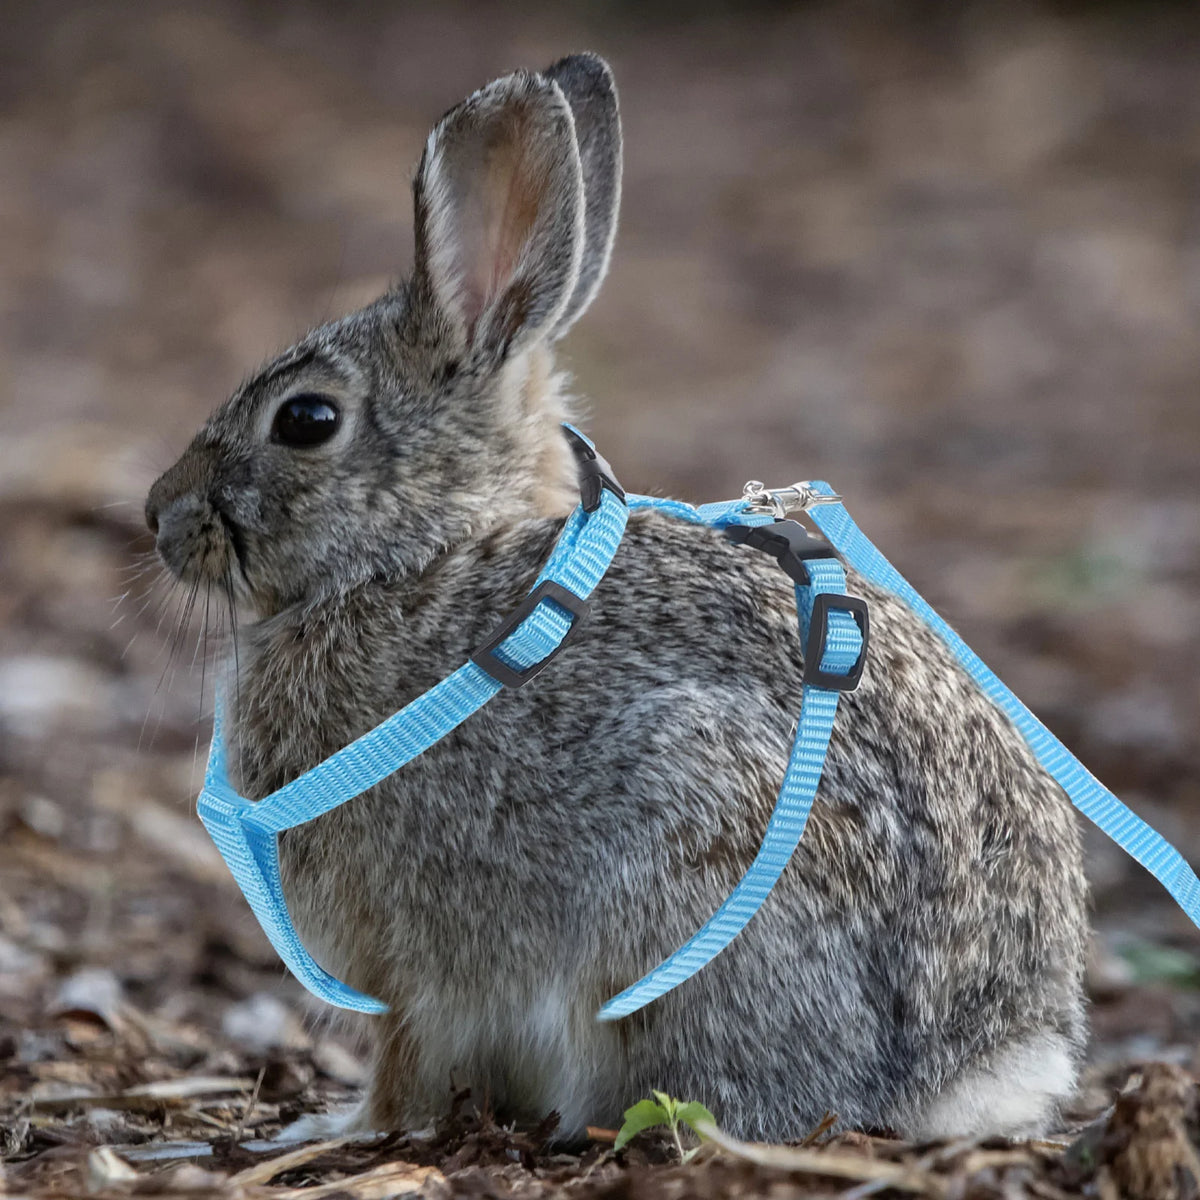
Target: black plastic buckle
{"x":594,"y":472}
{"x":788,"y":542}
{"x":818,"y":632}
{"x":489,"y":661}
{"x":791,"y":545}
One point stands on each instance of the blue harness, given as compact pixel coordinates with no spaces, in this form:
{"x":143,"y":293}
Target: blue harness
{"x":834,"y":631}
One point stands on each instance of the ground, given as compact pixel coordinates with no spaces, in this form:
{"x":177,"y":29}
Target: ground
{"x":949,"y":260}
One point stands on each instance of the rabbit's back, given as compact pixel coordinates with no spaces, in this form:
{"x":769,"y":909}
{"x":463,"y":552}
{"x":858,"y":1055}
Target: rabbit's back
{"x":570,"y":835}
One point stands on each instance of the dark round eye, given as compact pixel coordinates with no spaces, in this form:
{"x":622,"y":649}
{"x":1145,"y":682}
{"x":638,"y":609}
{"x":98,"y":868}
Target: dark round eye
{"x":306,"y":420}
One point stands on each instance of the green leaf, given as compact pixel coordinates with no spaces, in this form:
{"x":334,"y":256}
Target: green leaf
{"x":669,"y":1105}
{"x":1151,"y":963}
{"x":694,"y":1112}
{"x":645,"y":1114}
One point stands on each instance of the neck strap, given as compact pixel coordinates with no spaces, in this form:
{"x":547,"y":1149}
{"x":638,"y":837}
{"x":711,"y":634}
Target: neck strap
{"x":246,"y":832}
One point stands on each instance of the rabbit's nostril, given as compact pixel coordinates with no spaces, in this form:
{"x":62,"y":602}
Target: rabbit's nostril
{"x":152,"y":520}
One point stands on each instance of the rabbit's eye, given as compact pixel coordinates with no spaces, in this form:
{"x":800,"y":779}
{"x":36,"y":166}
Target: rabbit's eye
{"x":306,"y":421}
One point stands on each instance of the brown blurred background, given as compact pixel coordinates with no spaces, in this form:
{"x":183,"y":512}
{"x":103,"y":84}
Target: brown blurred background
{"x":944,"y":256}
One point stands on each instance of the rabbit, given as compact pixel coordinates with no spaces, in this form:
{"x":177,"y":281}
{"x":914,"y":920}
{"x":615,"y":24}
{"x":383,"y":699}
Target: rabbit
{"x":379,"y":497}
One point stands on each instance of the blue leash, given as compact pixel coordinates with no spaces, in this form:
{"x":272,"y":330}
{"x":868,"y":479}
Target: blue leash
{"x":834,"y":630}
{"x":1144,"y":844}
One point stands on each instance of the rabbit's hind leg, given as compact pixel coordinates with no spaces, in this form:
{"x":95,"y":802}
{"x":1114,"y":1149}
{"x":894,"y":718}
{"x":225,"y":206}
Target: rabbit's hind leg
{"x":1017,"y":1093}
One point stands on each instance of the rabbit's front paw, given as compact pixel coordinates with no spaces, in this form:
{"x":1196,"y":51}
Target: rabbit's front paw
{"x":321,"y":1127}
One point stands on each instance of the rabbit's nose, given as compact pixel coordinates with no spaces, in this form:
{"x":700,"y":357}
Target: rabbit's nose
{"x":183,"y":530}
{"x":160,"y":498}
{"x":189,"y":479}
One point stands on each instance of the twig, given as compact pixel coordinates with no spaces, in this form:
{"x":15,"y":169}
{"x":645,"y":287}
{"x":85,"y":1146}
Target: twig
{"x":145,"y":1096}
{"x":237,"y":1132}
{"x":264,"y":1172}
{"x":826,"y":1123}
{"x":851,"y":1167}
{"x":380,"y":1183}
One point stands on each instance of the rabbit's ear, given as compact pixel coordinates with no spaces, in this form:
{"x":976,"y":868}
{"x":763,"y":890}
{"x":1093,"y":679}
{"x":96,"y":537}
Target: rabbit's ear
{"x":499,"y":215}
{"x":588,"y":85}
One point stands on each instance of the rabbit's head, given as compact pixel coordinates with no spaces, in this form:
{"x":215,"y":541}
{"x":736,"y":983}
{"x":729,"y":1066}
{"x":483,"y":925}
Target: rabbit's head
{"x":382,"y":439}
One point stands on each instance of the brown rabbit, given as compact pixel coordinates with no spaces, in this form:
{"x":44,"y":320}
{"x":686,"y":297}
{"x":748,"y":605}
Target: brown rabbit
{"x":381,"y":495}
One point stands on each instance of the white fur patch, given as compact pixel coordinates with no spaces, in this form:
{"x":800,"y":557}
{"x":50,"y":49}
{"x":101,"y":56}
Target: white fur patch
{"x":1016,"y":1095}
{"x":320,"y":1127}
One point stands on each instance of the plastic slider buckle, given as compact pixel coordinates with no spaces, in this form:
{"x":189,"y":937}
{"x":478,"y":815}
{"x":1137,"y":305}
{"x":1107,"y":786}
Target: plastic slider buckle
{"x":818,"y":633}
{"x":490,"y":662}
{"x":594,"y":473}
{"x":788,"y":542}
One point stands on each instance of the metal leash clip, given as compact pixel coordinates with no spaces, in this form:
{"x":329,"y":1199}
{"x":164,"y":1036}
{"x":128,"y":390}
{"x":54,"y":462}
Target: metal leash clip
{"x":781,"y":501}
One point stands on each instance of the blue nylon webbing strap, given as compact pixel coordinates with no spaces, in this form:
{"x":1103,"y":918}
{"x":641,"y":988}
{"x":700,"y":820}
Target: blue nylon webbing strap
{"x":818,"y":707}
{"x":246,"y":833}
{"x":1146,"y":845}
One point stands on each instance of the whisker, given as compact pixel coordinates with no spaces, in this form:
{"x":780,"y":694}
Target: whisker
{"x":173,"y":646}
{"x":202,"y":632}
{"x":161,"y":600}
{"x":122,"y":604}
{"x":178,"y":596}
{"x":231,"y":596}
{"x":185,"y":623}
{"x":203,"y":676}
{"x":175,"y":635}
{"x":136,"y":571}
{"x":152,"y":594}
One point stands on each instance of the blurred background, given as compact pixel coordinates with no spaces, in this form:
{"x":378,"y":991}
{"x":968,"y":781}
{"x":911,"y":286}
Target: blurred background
{"x":944,"y":256}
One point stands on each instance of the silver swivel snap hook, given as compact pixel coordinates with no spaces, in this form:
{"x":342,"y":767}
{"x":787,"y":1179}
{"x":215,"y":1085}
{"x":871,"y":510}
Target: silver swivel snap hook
{"x":780,"y":501}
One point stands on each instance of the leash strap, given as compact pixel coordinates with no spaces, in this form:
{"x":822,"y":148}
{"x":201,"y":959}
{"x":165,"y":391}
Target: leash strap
{"x":1146,"y":845}
{"x":838,"y":651}
{"x":842,"y":650}
{"x":246,"y":832}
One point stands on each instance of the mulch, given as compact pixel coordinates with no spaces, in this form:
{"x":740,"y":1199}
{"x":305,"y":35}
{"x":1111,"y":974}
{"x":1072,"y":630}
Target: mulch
{"x":209,"y":1136}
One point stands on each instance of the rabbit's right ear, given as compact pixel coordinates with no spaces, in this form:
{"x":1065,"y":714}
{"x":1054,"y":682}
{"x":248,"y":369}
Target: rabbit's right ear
{"x":500,"y":218}
{"x":587,"y":83}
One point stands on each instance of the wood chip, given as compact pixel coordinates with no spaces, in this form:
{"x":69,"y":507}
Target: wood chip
{"x":106,"y":1168}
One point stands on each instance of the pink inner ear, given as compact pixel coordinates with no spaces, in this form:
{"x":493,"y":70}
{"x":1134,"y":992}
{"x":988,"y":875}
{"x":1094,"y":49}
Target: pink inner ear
{"x":498,"y":202}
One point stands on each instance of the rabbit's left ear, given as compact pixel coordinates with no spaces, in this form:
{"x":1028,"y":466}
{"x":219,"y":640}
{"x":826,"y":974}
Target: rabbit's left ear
{"x":500,"y":217}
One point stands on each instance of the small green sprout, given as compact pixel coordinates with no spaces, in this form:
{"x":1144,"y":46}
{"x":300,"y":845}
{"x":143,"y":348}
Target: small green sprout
{"x":665,"y":1110}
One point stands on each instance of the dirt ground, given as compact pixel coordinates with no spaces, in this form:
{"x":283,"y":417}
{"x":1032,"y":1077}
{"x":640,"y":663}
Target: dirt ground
{"x":946,"y":258}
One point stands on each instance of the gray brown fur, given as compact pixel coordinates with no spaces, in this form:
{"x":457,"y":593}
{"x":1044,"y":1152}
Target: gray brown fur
{"x":919,"y":964}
